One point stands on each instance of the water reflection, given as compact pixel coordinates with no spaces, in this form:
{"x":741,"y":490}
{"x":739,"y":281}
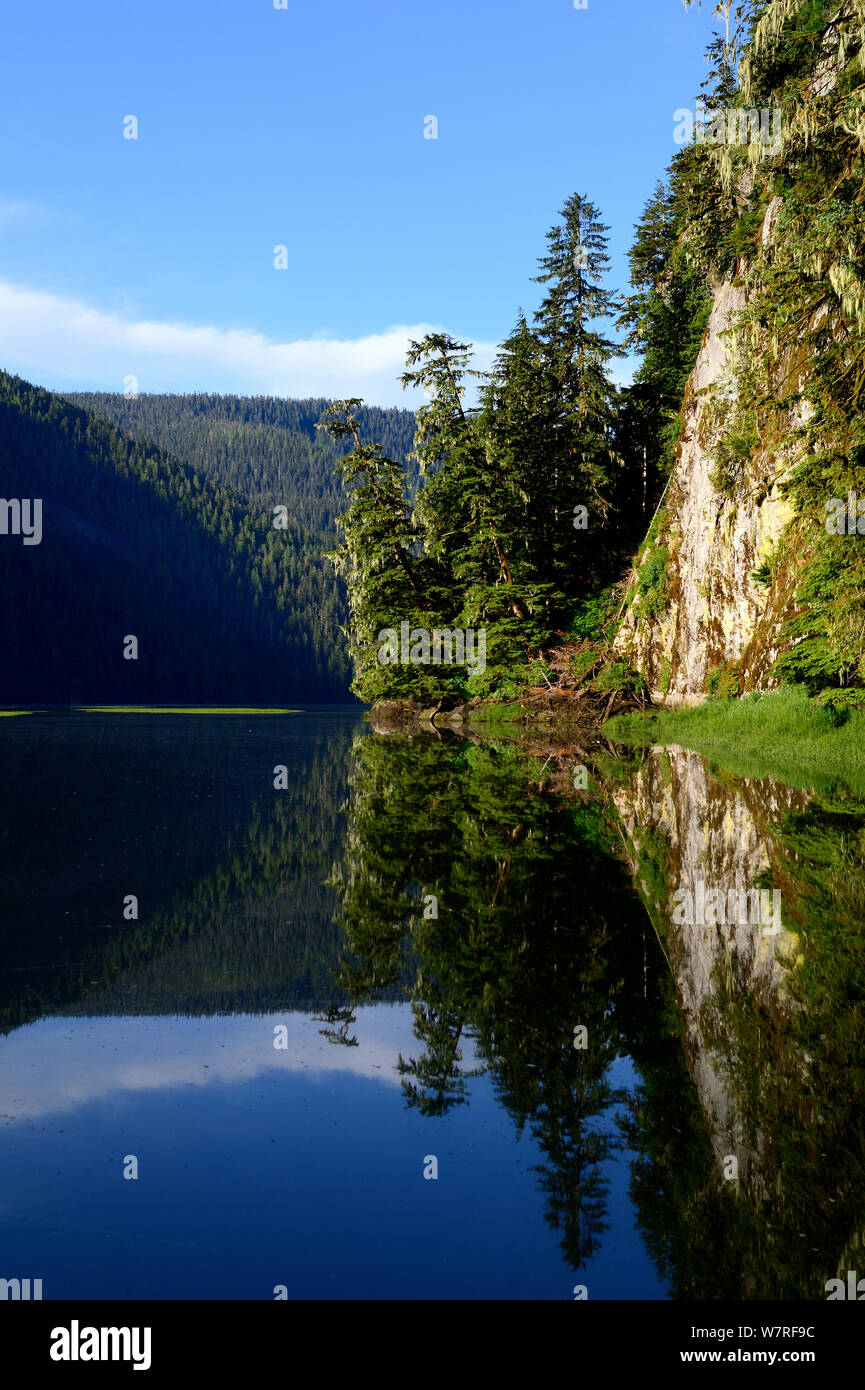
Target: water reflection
{"x":233,"y":910}
{"x":745,"y":1131}
{"x":701,"y":1081}
{"x":520,"y":927}
{"x":771,"y":1022}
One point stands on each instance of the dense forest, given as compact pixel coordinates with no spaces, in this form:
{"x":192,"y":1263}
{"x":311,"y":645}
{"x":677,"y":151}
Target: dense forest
{"x":544,"y":510}
{"x":181,"y":553}
{"x":530,"y":502}
{"x":263,"y":447}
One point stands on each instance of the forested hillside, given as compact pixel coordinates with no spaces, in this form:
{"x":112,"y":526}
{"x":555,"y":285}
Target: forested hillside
{"x":226,"y":608}
{"x":265,"y":448}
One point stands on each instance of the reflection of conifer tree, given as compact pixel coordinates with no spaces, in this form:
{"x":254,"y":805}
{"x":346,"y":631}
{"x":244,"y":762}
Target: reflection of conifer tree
{"x":370,"y":958}
{"x":517,"y":956}
{"x":441,"y":1080}
{"x":345,"y":1017}
{"x":374,"y":879}
{"x":573,"y":1181}
{"x":564,"y":1095}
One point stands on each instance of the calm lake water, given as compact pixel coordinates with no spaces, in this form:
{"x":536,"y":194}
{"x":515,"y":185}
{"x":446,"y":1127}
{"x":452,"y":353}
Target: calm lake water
{"x":424,"y":1022}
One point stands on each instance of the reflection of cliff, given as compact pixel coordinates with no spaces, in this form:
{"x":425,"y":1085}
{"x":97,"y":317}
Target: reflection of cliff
{"x":771,"y":1019}
{"x":697,"y":830}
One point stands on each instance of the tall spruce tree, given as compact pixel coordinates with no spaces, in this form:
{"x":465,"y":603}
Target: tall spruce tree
{"x":580,"y":396}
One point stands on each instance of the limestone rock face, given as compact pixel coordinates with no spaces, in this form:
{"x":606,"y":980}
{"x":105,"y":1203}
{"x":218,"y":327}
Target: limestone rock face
{"x":716,"y":531}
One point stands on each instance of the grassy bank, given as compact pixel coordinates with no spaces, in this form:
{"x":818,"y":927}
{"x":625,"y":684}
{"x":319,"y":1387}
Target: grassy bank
{"x":779,"y":734}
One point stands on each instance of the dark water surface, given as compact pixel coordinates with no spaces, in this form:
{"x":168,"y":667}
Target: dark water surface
{"x":384,"y":968}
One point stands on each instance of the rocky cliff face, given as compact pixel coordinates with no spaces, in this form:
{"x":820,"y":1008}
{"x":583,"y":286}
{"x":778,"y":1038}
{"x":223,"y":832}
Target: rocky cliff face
{"x":714,"y":532}
{"x":697,"y":618}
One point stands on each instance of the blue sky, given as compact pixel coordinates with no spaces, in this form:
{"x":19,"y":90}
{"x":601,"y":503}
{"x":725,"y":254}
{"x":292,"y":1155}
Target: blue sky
{"x":304,"y":127}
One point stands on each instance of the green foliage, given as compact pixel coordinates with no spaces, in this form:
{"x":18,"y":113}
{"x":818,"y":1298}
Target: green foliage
{"x":725,"y":681}
{"x":595,"y":618}
{"x":619,"y":676}
{"x":733,"y":452}
{"x":762,"y":575}
{"x":841,"y":702}
{"x":829,"y":629}
{"x":382,"y":575}
{"x":652,"y":584}
{"x":583,"y":660}
{"x":656,"y":529}
{"x":672,"y":263}
{"x":743,"y":234}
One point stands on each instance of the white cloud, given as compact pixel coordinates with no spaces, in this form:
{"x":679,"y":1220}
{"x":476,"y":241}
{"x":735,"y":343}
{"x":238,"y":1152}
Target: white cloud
{"x":64,"y":344}
{"x":58,"y":1064}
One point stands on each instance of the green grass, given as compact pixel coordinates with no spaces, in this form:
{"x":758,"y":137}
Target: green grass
{"x":781,"y":734}
{"x":178,"y":709}
{"x":505,"y":714}
{"x":11,"y":713}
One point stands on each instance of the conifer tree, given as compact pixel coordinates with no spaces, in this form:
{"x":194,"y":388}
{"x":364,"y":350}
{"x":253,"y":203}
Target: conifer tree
{"x":375,"y":557}
{"x":580,"y":397}
{"x":518,"y":423}
{"x":469,"y":511}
